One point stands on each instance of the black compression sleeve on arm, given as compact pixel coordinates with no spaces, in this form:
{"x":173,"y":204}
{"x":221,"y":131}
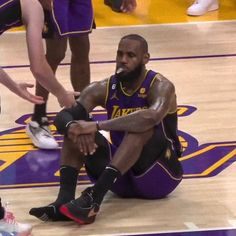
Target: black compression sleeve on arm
{"x":69,"y":114}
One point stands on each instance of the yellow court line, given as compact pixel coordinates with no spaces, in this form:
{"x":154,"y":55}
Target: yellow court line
{"x":215,"y":166}
{"x":15,"y":142}
{"x":9,"y":159}
{"x":14,"y":149}
{"x":14,"y":136}
{"x":210,"y":147}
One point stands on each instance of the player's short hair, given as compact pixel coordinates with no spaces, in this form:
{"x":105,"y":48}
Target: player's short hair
{"x":137,"y":37}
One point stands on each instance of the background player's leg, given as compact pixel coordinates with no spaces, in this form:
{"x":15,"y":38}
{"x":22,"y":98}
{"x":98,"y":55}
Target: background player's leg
{"x":80,"y":68}
{"x":38,"y":129}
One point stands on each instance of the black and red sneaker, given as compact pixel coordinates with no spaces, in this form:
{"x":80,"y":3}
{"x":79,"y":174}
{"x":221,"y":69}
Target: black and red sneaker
{"x":82,"y":210}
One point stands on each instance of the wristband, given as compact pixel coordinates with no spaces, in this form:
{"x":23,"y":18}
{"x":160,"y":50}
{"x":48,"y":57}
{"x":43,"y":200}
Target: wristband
{"x":70,"y":123}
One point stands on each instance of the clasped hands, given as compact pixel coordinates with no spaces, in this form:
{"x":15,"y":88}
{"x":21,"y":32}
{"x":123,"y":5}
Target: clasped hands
{"x":82,"y":133}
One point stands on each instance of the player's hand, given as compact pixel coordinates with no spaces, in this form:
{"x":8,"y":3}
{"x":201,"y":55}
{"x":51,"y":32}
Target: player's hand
{"x":86,"y":144}
{"x":82,"y":133}
{"x":25,"y":94}
{"x":128,"y":5}
{"x":46,"y":4}
{"x":67,"y":99}
{"x":81,"y":127}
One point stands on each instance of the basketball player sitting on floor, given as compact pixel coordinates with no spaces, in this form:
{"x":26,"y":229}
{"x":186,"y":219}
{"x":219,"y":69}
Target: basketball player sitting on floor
{"x":142,"y":161}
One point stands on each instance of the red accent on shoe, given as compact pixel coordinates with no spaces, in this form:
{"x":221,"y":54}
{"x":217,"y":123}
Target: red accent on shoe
{"x":64,"y":210}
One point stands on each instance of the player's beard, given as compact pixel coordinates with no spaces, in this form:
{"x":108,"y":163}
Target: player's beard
{"x":131,"y":76}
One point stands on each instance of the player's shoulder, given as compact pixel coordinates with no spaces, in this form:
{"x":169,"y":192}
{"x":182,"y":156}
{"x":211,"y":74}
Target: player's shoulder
{"x":99,"y":84}
{"x":161,"y":81}
{"x":96,"y":87}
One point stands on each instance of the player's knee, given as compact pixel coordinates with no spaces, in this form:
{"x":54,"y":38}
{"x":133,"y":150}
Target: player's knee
{"x":80,"y":48}
{"x":69,"y":148}
{"x":56,"y":56}
{"x":81,"y":58}
{"x":139,"y":138}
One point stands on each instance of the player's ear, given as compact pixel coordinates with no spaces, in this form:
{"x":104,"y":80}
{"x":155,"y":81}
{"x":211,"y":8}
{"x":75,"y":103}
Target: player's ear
{"x":146,"y":58}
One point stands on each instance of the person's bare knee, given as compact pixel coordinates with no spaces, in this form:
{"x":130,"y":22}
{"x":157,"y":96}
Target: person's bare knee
{"x":55,"y":50}
{"x":138,"y":139}
{"x":80,"y":68}
{"x":80,"y":47}
{"x":129,"y":150}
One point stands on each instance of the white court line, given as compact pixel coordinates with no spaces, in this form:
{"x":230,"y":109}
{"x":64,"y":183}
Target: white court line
{"x":147,"y":25}
{"x":191,"y":226}
{"x":165,"y":24}
{"x":232,"y":222}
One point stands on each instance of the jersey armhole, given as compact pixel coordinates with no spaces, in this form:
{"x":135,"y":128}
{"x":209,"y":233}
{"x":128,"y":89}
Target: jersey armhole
{"x":107,"y":91}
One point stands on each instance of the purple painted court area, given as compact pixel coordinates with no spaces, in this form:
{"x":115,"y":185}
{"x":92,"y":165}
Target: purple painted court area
{"x":2,"y":233}
{"x":225,"y":232}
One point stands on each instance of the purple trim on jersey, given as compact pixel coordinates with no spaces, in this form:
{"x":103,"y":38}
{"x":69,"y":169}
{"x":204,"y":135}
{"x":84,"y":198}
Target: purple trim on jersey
{"x":72,"y":17}
{"x":10,"y":14}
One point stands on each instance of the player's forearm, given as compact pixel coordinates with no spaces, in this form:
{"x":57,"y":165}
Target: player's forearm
{"x":136,"y":122}
{"x":45,"y":76}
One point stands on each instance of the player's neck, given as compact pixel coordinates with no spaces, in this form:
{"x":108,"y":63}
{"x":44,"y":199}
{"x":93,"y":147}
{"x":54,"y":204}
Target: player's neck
{"x":130,"y":87}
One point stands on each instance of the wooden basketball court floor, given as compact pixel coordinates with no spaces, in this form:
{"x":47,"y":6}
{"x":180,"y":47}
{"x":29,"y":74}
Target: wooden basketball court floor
{"x":199,"y":56}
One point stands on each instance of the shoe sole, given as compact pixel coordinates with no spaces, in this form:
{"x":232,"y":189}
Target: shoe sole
{"x":64,"y":210}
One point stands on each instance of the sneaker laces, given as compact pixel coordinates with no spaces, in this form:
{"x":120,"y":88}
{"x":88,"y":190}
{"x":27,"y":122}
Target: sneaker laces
{"x":44,"y":121}
{"x":86,"y":198}
{"x":46,"y":131}
{"x":43,"y":125}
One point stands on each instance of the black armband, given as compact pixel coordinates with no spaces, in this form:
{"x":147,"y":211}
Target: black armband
{"x":68,"y":115}
{"x":70,"y":123}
